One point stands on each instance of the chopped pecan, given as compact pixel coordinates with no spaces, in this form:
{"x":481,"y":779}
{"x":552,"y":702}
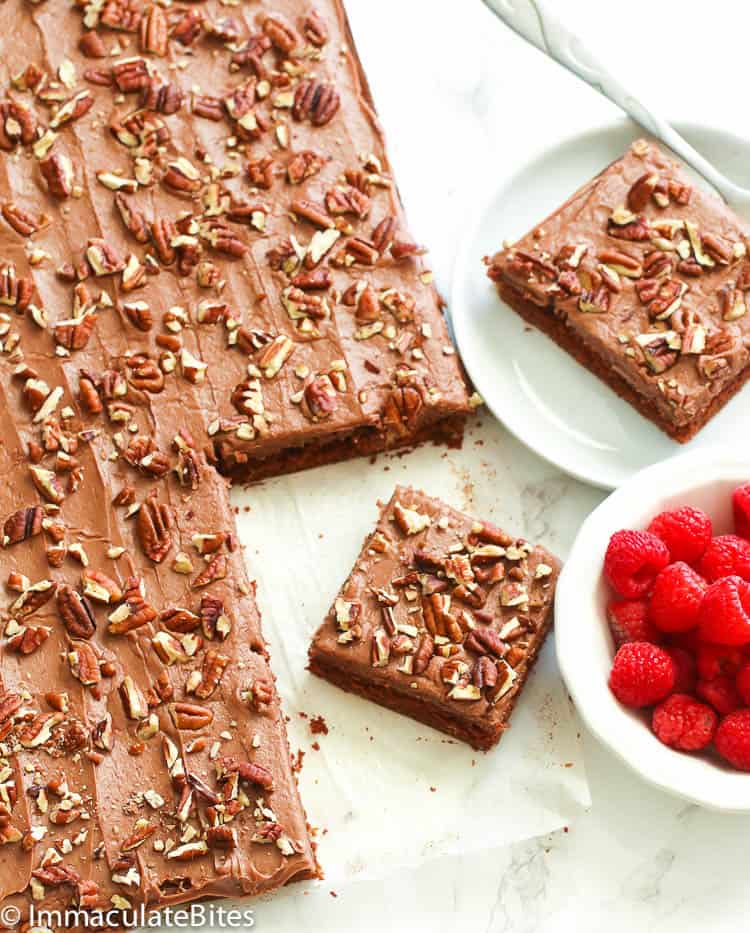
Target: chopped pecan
{"x":319,"y":398}
{"x":221,"y":837}
{"x":188,"y":27}
{"x":92,"y":45}
{"x":23,"y":524}
{"x":304,"y":165}
{"x":154,"y":527}
{"x":315,"y":29}
{"x":100,"y":587}
{"x":84,"y":663}
{"x":57,"y":171}
{"x":132,"y":217}
{"x":161,"y":96}
{"x":131,"y":74}
{"x":75,"y":333}
{"x":179,"y":620}
{"x":214,"y":622}
{"x":315,"y":100}
{"x":134,"y":612}
{"x":182,"y":176}
{"x":133,"y":700}
{"x":75,"y":612}
{"x":20,"y":220}
{"x":214,"y":665}
{"x":402,"y":409}
{"x":17,"y":124}
{"x":250,"y":54}
{"x":55,"y":875}
{"x":281,"y":33}
{"x":163,"y":232}
{"x":636,"y":230}
{"x":29,"y":639}
{"x":345,"y":199}
{"x":248,"y":771}
{"x":208,"y":107}
{"x":153,"y":31}
{"x":190,"y":716}
{"x":641,"y":191}
{"x":215,"y":569}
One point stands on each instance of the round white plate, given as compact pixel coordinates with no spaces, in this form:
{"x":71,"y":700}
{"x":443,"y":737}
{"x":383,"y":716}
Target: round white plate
{"x":550,"y":402}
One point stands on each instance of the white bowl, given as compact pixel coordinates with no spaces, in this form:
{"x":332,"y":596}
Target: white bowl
{"x":705,"y":479}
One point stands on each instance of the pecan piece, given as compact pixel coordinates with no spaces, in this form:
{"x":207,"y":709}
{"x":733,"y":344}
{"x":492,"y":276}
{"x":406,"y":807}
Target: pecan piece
{"x":188,"y":27}
{"x":641,"y":191}
{"x":23,"y":524}
{"x":304,"y":165}
{"x":154,"y":527}
{"x":152,"y":31}
{"x":20,"y":220}
{"x":214,"y":622}
{"x":190,"y":716}
{"x":215,"y":569}
{"x":56,"y":875}
{"x":315,"y":100}
{"x":32,"y":599}
{"x":75,"y":612}
{"x":221,"y":837}
{"x":84,"y":663}
{"x":315,"y":29}
{"x":132,"y":217}
{"x":281,"y":33}
{"x":100,"y":587}
{"x":214,"y":665}
{"x":402,"y":409}
{"x":57,"y":171}
{"x":29,"y":639}
{"x":247,"y":770}
{"x":92,"y":45}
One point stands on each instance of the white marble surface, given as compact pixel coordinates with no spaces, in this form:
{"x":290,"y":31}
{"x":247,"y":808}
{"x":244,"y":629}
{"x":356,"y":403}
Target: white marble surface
{"x":461,"y":99}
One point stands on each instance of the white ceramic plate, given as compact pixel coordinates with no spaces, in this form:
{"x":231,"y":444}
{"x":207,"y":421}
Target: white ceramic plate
{"x":550,"y":402}
{"x":703,"y":478}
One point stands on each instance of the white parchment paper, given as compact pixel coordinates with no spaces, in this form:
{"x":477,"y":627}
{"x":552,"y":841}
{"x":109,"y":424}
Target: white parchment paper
{"x":382,"y":791}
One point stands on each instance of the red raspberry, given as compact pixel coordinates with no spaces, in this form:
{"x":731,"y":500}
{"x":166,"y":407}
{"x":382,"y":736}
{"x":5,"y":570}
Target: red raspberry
{"x":632,"y":562}
{"x":685,"y":531}
{"x":641,"y":674}
{"x":684,"y":723}
{"x":732,"y":739}
{"x":725,"y":556}
{"x":741,"y":510}
{"x":684,"y":665}
{"x":628,"y":621}
{"x":742,"y":680}
{"x":723,"y":616}
{"x":676,"y":599}
{"x":688,"y":641}
{"x":721,"y":693}
{"x":713,"y":660}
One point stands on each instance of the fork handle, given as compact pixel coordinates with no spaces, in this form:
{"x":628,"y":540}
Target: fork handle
{"x":531,"y":20}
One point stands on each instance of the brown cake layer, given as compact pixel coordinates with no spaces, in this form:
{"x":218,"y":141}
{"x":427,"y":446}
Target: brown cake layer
{"x":203,"y":263}
{"x":441,"y":619}
{"x":644,"y":280}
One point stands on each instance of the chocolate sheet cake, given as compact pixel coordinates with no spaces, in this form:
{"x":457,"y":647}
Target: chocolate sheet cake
{"x":204,"y":266}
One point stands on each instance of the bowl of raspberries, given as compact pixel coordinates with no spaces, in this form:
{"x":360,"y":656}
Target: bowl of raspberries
{"x":652,"y":623}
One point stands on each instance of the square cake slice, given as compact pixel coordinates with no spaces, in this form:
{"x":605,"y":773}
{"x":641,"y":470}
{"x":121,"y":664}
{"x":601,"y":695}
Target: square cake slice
{"x":643,"y":278}
{"x":441,"y":619}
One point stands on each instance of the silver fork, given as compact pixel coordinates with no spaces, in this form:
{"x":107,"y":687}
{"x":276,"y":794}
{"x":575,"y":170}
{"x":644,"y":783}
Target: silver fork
{"x":531,"y":20}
